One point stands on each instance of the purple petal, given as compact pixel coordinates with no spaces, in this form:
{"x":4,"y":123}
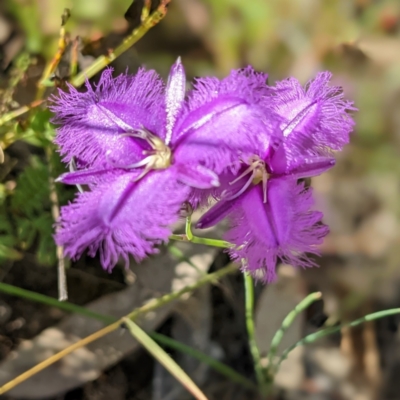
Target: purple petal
{"x":120,"y":217}
{"x":283,"y":228}
{"x":299,"y":166}
{"x":83,"y":177}
{"x":174,"y":96}
{"x":219,"y":132}
{"x":319,"y":111}
{"x":197,"y":176}
{"x":222,"y":120}
{"x":91,"y":122}
{"x":217,"y":213}
{"x":245,"y":83}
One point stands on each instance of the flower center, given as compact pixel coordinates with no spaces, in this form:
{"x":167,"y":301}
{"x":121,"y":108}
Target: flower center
{"x":159,"y":157}
{"x":258,"y":174}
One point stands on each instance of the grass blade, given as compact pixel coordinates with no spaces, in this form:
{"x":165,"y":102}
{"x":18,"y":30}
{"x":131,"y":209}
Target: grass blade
{"x":164,"y":359}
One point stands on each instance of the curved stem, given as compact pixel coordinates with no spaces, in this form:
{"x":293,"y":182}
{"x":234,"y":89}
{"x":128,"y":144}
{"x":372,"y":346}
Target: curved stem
{"x":328,"y":331}
{"x":212,"y":362}
{"x":189,"y":237}
{"x":276,"y":340}
{"x":148,"y":21}
{"x":249,"y":304}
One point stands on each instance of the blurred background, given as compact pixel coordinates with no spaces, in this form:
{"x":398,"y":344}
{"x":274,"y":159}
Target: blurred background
{"x":359,"y":41}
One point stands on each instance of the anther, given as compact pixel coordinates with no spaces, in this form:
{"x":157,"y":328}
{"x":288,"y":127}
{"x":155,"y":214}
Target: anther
{"x":259,"y":174}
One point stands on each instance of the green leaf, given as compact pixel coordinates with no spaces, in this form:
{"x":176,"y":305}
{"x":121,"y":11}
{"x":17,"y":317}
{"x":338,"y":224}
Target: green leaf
{"x":9,"y":253}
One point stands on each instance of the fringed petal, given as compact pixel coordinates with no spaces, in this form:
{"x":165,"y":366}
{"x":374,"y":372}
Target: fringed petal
{"x":243,"y":83}
{"x":197,"y":176}
{"x":121,"y":217}
{"x":283,"y":228}
{"x":319,"y":111}
{"x":219,"y":133}
{"x":92,"y":122}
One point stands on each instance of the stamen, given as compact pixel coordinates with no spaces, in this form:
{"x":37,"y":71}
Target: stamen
{"x":264,"y":186}
{"x":243,"y":189}
{"x":250,"y":169}
{"x":158,"y":157}
{"x":258,"y":174}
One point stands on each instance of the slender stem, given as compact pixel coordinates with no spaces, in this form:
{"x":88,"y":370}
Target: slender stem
{"x":189,"y":237}
{"x":276,"y":340}
{"x":40,"y":298}
{"x":199,"y":240}
{"x":164,"y":359}
{"x":73,"y":66}
{"x":249,"y":304}
{"x":53,"y":64}
{"x":58,"y":356}
{"x":16,"y":113}
{"x":167,"y":298}
{"x":328,"y":331}
{"x":213,"y":363}
{"x":55,"y":212}
{"x":148,"y":21}
{"x":151,"y":305}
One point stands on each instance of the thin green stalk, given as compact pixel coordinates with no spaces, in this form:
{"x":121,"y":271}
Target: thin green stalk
{"x":55,"y":213}
{"x":148,"y":21}
{"x":328,"y":331}
{"x":189,"y":237}
{"x":199,"y":240}
{"x":16,"y":113}
{"x":40,"y":298}
{"x":211,"y":362}
{"x":150,"y":306}
{"x":276,"y":340}
{"x":167,"y":298}
{"x":164,"y":359}
{"x":255,"y":352}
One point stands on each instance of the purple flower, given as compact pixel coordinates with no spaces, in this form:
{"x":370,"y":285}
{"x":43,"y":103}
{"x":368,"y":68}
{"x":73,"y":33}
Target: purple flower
{"x":270,"y":213}
{"x":270,"y":222}
{"x":315,"y":116}
{"x":140,"y":148}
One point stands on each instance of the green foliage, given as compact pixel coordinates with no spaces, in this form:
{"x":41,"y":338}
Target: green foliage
{"x":31,"y":210}
{"x":7,"y":238}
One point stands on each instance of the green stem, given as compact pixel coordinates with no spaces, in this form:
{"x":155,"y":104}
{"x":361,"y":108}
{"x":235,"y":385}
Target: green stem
{"x":249,"y":304}
{"x":189,"y":237}
{"x":148,"y":21}
{"x":167,"y":298}
{"x":328,"y":331}
{"x":164,"y":359}
{"x":276,"y":340}
{"x":40,"y":298}
{"x":150,"y":306}
{"x":218,"y":366}
{"x":16,"y":113}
